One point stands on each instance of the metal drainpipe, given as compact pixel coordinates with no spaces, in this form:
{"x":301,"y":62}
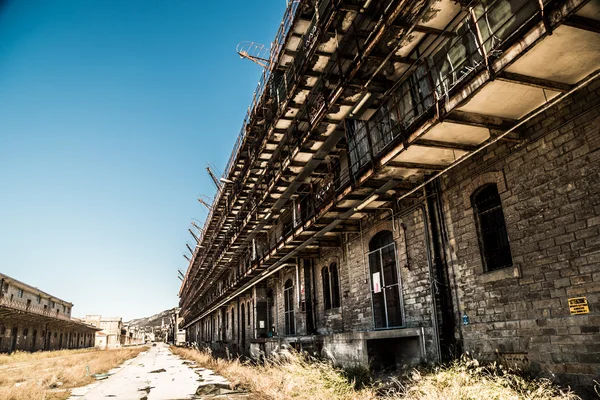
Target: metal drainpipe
{"x":431,"y":280}
{"x":297,"y":284}
{"x":392,"y":211}
{"x":421,"y":206}
{"x":362,"y":246}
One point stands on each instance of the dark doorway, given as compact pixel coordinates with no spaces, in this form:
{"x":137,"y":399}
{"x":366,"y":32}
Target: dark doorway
{"x":288,"y":296}
{"x":60,"y":341}
{"x":243,"y":329}
{"x":34,"y":340}
{"x":13,"y":339}
{"x":389,"y":354}
{"x":308,"y":296}
{"x":385,"y":282}
{"x":47,"y":343}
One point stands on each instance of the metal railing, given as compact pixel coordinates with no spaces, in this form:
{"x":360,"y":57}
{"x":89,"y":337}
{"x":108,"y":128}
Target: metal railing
{"x":280,"y":86}
{"x":478,"y":40}
{"x":257,"y":97}
{"x":23,"y":306}
{"x":450,"y":63}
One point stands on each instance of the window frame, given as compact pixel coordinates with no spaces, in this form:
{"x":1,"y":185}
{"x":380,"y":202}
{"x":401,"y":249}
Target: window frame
{"x":331,"y":286}
{"x":326,"y":285}
{"x":500,"y":231}
{"x":288,"y":307}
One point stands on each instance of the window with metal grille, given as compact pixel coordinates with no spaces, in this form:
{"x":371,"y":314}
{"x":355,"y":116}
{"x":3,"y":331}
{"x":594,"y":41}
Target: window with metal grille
{"x":491,"y":228}
{"x":331,"y":287}
{"x":288,"y":297}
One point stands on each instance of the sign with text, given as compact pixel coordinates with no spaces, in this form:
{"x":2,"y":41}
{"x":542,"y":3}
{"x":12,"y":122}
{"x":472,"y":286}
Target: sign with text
{"x":579,"y":305}
{"x":376,"y":283}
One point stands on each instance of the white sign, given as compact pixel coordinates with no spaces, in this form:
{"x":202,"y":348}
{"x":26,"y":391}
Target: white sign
{"x":376,"y":283}
{"x":261,"y":324}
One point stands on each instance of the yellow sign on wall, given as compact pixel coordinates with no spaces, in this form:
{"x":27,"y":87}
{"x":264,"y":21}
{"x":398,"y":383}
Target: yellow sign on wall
{"x":579,"y":305}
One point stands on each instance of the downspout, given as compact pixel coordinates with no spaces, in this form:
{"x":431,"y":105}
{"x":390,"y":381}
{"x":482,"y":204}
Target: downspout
{"x":434,"y":318}
{"x":297,"y":284}
{"x":442,"y":279}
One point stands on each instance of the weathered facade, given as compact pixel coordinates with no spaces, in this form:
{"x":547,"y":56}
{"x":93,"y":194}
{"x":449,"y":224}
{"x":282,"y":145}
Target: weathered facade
{"x":114,"y":335}
{"x":33,"y":320}
{"x":414,"y":179}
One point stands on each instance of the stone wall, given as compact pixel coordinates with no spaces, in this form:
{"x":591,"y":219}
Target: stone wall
{"x":31,"y":336}
{"x":549,"y":185}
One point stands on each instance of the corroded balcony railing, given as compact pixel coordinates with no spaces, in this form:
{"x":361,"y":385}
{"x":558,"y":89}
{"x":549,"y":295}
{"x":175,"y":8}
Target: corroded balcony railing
{"x":273,"y":89}
{"x":478,"y":40}
{"x":30,"y":308}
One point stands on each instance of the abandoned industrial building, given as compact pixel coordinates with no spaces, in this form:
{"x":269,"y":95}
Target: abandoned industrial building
{"x":33,"y":320}
{"x":413,"y":180}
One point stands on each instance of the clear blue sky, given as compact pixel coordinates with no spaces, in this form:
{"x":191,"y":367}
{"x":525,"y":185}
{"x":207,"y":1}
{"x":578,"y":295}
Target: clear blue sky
{"x":109,"y":112}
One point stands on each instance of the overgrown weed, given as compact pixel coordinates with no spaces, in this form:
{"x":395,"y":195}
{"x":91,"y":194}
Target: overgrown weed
{"x":292,"y":375}
{"x":50,"y":375}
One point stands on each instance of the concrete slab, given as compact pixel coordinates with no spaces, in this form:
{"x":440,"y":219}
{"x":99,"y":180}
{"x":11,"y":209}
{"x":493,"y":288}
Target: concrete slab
{"x":157,"y":375}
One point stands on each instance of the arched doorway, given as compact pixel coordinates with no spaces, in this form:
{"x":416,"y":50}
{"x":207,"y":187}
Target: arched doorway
{"x":288,"y":297}
{"x":243,"y":328}
{"x":385,"y":282}
{"x":13,"y":339}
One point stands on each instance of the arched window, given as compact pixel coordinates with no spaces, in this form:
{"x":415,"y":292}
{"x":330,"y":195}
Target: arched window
{"x":331,"y":286}
{"x":335,"y":285}
{"x":326,"y":288}
{"x":385,"y":282}
{"x":288,"y":297}
{"x":491,"y":228}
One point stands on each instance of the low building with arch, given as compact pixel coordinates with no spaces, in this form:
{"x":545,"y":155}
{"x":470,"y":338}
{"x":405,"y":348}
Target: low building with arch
{"x":33,"y":320}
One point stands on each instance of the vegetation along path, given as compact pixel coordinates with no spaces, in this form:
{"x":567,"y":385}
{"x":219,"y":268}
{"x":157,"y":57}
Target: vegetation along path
{"x":158,"y":375}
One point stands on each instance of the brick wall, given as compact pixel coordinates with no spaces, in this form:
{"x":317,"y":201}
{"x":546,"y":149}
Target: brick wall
{"x":549,"y":185}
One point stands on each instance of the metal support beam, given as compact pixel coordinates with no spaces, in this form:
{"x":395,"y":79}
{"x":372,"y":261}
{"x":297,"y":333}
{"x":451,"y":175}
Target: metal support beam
{"x":534,"y":82}
{"x":584,"y":23}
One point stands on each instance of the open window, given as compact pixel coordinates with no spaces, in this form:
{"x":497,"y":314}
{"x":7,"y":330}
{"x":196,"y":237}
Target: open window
{"x":331,"y":286}
{"x":288,"y":296}
{"x":491,"y":228}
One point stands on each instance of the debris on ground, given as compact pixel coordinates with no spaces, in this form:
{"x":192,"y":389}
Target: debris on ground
{"x":156,"y":371}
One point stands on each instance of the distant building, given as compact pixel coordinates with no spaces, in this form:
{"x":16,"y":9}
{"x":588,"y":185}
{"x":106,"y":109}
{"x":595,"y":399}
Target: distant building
{"x":101,"y":340}
{"x":111,"y":326}
{"x":132,"y":335}
{"x":33,"y":320}
{"x":114,"y":333}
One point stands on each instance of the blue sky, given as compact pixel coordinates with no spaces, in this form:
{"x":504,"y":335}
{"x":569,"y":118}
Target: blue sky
{"x":109,"y":112}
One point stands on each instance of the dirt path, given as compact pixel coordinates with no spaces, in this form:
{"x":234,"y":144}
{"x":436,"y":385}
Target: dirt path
{"x":158,"y":375}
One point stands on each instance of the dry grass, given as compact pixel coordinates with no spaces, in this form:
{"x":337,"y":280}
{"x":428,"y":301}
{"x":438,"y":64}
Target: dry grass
{"x":293,"y":376}
{"x":49,"y":375}
{"x":466,"y":379}
{"x":290,"y":375}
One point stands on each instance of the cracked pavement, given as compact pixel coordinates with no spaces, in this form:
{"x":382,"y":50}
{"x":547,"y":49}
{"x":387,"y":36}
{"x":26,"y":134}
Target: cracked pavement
{"x":158,"y":374}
